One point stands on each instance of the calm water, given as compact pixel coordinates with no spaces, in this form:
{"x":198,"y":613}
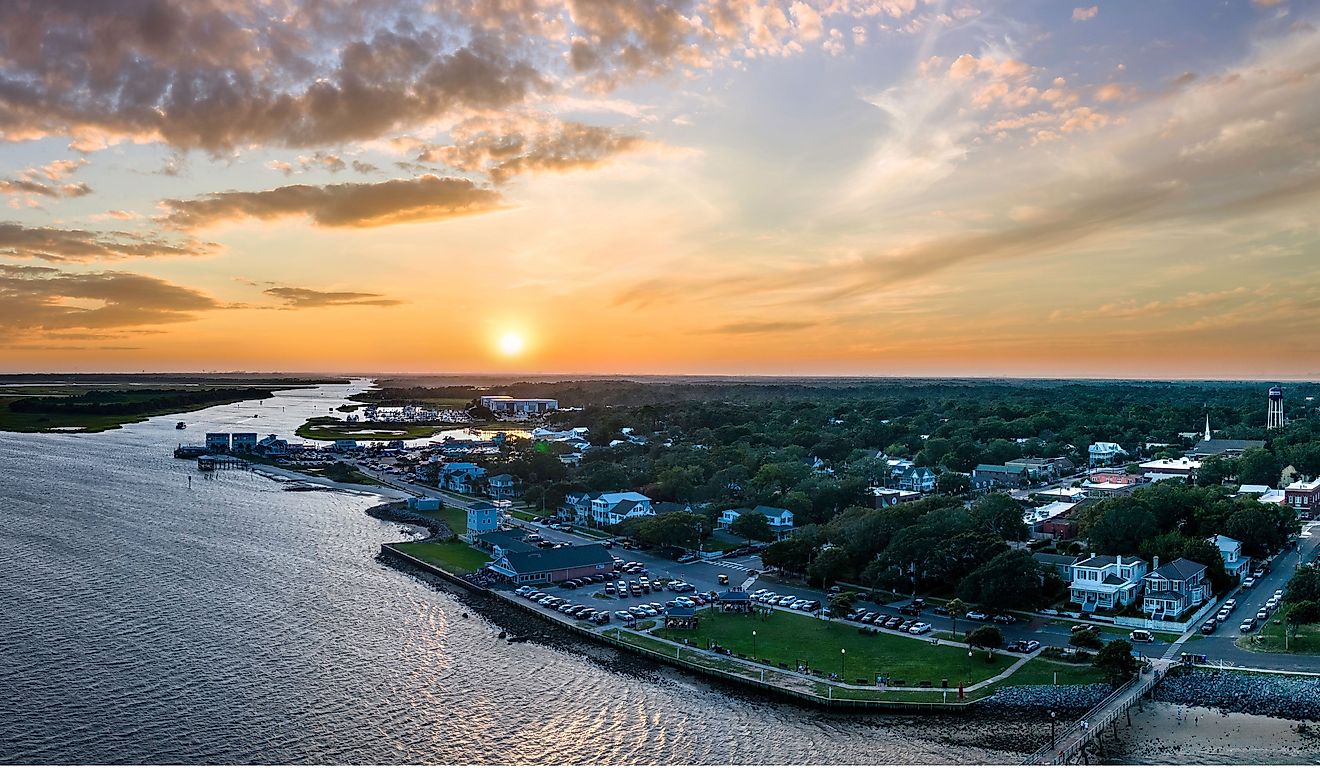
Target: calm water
{"x":145,"y":622}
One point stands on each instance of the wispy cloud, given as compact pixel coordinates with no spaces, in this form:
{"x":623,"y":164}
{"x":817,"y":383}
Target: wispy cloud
{"x":306,"y":298}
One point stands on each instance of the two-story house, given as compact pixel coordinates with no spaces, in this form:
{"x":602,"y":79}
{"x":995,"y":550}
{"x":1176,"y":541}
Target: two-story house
{"x":1174,"y":588}
{"x":1104,"y":453}
{"x":614,"y":507}
{"x":917,"y":479}
{"x":1235,"y":564}
{"x":780,"y":519}
{"x":501,"y":486}
{"x":1106,"y":582}
{"x":577,"y":506}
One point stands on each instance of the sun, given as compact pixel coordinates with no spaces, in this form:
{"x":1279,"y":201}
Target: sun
{"x":511,"y":344}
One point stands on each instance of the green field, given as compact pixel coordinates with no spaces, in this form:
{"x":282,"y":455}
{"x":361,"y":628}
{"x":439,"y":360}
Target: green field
{"x":73,"y":409}
{"x":344,"y":474}
{"x":1269,"y":638}
{"x":789,"y":638}
{"x":458,"y":558}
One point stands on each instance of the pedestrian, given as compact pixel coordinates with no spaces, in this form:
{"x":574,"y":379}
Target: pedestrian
{"x":1085,"y":725}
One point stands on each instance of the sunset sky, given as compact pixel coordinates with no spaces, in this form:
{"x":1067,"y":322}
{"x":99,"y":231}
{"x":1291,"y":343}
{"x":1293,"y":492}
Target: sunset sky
{"x":882,"y":187}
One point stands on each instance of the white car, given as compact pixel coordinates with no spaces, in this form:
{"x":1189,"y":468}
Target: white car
{"x":797,"y":605}
{"x":977,"y":615}
{"x":624,"y":616}
{"x":787,"y":600}
{"x":919,"y":628}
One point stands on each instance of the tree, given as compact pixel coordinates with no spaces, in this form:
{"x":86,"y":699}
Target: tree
{"x":791,"y":555}
{"x":1115,"y":661}
{"x":957,"y":608}
{"x":986,"y":638}
{"x":1258,"y":466}
{"x":828,"y":566}
{"x":1303,"y":614}
{"x":752,"y":525}
{"x":842,"y":603}
{"x":953,"y":484}
{"x":1010,"y":580}
{"x":1086,"y":637}
{"x":1002,"y":515}
{"x":1304,"y":585}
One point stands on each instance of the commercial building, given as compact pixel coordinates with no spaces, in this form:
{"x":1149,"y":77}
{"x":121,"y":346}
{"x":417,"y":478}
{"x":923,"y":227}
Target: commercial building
{"x":1160,"y":470}
{"x":508,"y":405}
{"x":986,"y":475}
{"x":1303,"y":497}
{"x":883,"y":497}
{"x":1043,"y":467}
{"x":217,"y":442}
{"x":553,"y":565}
{"x":1062,"y":494}
{"x":243,"y":443}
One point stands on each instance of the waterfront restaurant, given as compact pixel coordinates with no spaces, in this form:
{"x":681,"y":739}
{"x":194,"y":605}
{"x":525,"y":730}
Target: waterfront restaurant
{"x":553,"y":565}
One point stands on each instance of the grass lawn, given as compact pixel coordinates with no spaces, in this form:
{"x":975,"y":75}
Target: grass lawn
{"x":456,"y":518}
{"x":458,"y":558}
{"x":1269,"y":638}
{"x":1042,"y":671}
{"x":787,"y":638}
{"x":344,"y":474}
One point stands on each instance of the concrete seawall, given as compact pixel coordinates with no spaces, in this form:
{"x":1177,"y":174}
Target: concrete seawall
{"x":390,"y":553}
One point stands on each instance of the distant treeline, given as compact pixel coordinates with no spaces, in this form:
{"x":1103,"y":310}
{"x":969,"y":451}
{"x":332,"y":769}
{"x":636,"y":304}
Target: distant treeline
{"x":135,"y":401}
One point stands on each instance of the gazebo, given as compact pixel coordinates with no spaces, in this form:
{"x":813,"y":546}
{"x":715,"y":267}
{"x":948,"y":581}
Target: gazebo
{"x":735,"y":601}
{"x":681,"y":617}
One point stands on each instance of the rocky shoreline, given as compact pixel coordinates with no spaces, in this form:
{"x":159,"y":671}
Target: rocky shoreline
{"x":1270,"y":695}
{"x":1065,"y":700}
{"x":398,"y":513}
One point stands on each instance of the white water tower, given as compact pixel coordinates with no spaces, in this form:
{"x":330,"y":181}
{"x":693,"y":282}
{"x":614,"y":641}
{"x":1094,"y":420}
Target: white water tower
{"x":1274,"y":418}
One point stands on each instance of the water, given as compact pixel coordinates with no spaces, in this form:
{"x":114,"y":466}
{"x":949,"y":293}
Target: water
{"x":145,"y":622}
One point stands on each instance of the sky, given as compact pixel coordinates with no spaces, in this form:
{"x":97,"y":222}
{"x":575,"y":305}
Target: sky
{"x":879,"y":187}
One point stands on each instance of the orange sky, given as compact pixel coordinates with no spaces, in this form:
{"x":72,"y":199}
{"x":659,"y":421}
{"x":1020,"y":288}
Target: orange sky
{"x":715,"y":186}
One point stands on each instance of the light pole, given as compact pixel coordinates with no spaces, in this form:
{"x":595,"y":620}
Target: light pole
{"x":842,"y":654}
{"x":753,"y":643}
{"x":1052,"y":715}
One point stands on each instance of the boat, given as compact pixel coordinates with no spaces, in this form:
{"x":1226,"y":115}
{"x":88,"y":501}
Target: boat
{"x":179,"y":426}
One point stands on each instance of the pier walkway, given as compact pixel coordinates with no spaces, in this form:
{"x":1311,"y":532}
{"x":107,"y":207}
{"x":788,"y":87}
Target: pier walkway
{"x":1071,"y":745}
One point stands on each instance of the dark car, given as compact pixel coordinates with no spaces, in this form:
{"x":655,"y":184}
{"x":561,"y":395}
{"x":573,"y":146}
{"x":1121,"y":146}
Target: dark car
{"x":1209,"y":626}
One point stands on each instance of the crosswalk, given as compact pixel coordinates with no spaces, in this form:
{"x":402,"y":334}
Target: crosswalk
{"x":732,"y":565}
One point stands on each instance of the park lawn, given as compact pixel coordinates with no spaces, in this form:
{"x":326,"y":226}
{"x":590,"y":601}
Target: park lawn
{"x":458,"y":558}
{"x":1270,"y":639}
{"x":1042,"y":671}
{"x":456,"y":518}
{"x":788,"y":638}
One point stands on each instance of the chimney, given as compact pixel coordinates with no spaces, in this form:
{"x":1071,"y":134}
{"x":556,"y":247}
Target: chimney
{"x":1120,"y":563}
{"x":1157,"y":562}
{"x":1092,"y":554}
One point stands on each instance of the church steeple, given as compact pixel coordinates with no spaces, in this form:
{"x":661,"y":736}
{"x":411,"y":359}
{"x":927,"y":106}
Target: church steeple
{"x":1207,"y":426}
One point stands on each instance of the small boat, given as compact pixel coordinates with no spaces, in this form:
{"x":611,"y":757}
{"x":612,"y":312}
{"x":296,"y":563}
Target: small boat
{"x":179,"y":426}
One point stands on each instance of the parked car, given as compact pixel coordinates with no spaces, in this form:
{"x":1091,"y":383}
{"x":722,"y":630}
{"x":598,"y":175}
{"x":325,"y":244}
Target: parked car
{"x":1005,"y":619}
{"x":1249,"y":582}
{"x":626,"y":617}
{"x":1209,"y":626}
{"x":1262,"y":614}
{"x":1230,"y":605}
{"x":1084,"y":627}
{"x":919,"y":628}
{"x":893,"y":622}
{"x":1247,"y":625}
{"x":977,"y":615}
{"x":1029,"y":645}
{"x":1141,"y":636}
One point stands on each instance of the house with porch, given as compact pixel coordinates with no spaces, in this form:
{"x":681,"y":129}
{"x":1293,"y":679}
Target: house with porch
{"x":1104,"y":453}
{"x":1230,"y":550}
{"x":1106,"y":583}
{"x":1174,"y":588}
{"x":502,"y":487}
{"x":780,"y":519}
{"x":613,"y":507}
{"x":464,"y":478}
{"x":917,"y":479}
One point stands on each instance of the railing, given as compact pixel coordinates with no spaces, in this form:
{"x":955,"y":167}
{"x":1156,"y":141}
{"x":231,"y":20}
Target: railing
{"x":1097,"y":719}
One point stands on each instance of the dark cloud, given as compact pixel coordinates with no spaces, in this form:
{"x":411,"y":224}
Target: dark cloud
{"x":364,"y":168}
{"x":215,"y":75}
{"x":502,"y":152}
{"x":55,"y":244}
{"x":303,"y":298}
{"x":43,"y":298}
{"x":358,"y":204}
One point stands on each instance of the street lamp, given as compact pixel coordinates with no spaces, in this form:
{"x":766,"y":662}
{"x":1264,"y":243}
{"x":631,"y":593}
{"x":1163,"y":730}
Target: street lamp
{"x":842,"y":653}
{"x":1052,"y":715}
{"x":753,"y":643}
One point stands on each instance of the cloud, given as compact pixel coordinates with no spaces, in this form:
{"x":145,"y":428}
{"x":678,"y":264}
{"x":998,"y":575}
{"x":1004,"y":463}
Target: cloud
{"x":35,"y":299}
{"x":762,"y":327}
{"x":425,"y":199}
{"x":502,"y":149}
{"x":55,"y":244}
{"x":304,"y":298}
{"x":47,"y":181}
{"x":1085,"y":14}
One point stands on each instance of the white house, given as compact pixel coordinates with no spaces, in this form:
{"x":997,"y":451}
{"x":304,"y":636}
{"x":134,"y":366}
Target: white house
{"x":917,"y":479}
{"x":1106,"y":582}
{"x":1231,"y":552}
{"x":614,"y":507}
{"x":1104,"y":452}
{"x":780,"y":519}
{"x":1174,"y":588}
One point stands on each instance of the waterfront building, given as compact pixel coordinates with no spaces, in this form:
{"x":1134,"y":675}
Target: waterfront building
{"x":1174,"y":588}
{"x":217,"y":442}
{"x":1106,"y":583}
{"x":463,"y":478}
{"x":424,"y":504}
{"x":482,"y":517}
{"x":244,"y":443}
{"x":501,"y":541}
{"x":508,"y":405}
{"x":344,"y":445}
{"x":272,"y":446}
{"x":553,"y":565}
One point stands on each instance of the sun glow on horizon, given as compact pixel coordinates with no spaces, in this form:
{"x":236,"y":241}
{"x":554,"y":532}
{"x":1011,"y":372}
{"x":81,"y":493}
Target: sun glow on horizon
{"x":511,"y":343}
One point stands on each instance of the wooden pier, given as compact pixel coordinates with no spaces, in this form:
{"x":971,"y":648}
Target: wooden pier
{"x":208,"y":463}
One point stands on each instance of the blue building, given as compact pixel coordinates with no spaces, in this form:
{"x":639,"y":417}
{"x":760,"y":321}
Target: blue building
{"x":244,"y":443}
{"x":217,"y":442}
{"x":482,"y":517}
{"x":423,"y":503}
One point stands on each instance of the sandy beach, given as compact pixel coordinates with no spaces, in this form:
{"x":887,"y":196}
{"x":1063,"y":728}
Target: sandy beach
{"x":1171,"y":734}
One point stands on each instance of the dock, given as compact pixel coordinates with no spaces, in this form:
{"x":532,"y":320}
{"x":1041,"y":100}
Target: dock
{"x":1073,"y":742}
{"x":207,"y":463}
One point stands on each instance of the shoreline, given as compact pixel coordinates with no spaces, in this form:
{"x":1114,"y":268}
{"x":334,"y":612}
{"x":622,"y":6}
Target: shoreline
{"x":1174,"y":734}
